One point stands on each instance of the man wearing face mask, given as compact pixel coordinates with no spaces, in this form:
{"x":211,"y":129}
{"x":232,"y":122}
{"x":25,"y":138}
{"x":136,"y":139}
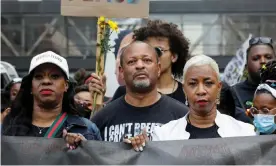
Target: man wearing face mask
{"x":260,"y":52}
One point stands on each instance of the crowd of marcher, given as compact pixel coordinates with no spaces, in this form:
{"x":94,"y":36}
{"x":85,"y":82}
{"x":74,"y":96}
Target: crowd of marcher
{"x":164,"y":94}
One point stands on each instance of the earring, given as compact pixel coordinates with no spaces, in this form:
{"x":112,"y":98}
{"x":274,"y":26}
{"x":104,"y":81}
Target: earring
{"x":186,"y":102}
{"x":218,"y":100}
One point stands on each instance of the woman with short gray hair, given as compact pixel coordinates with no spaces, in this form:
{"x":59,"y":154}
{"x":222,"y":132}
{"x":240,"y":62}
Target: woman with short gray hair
{"x":202,"y":87}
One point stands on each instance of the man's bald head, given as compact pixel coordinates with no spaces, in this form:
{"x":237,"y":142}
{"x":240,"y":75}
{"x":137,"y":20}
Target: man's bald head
{"x":138,"y":45}
{"x":140,"y":67}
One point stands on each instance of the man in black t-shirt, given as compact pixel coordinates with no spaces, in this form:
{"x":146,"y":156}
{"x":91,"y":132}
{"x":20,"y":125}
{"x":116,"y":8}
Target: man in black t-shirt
{"x":174,"y":49}
{"x":142,"y":107}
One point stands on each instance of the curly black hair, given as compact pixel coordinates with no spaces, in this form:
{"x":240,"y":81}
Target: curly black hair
{"x":268,"y":72}
{"x":178,"y":43}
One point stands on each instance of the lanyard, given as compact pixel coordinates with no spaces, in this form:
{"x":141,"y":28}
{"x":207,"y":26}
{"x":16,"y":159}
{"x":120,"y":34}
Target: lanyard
{"x":52,"y":131}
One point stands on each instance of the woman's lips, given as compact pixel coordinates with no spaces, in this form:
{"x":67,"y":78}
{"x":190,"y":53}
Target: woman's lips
{"x":202,"y":102}
{"x":46,"y":92}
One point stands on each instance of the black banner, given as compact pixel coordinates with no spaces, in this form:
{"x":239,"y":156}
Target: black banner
{"x":241,"y":150}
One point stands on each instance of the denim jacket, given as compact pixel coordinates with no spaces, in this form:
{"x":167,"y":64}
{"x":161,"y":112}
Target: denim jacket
{"x":76,"y":124}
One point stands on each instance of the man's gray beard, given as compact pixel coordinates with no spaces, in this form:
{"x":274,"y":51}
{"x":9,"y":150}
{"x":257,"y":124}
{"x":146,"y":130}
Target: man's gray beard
{"x":141,"y":86}
{"x":141,"y":83}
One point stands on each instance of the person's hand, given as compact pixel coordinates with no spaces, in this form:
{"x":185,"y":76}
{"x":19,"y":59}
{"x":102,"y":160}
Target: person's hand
{"x":73,"y":139}
{"x":5,"y":113}
{"x":97,"y":84}
{"x":138,"y":142}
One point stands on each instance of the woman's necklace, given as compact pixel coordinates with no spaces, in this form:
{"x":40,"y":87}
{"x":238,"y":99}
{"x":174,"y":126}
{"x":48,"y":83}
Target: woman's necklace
{"x":172,"y":88}
{"x":41,"y":129}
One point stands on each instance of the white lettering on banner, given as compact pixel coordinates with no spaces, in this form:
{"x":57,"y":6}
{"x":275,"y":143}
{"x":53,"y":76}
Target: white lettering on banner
{"x":115,"y":133}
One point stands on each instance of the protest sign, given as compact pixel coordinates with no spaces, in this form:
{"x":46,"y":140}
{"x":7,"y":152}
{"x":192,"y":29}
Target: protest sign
{"x":107,"y":8}
{"x":252,"y":150}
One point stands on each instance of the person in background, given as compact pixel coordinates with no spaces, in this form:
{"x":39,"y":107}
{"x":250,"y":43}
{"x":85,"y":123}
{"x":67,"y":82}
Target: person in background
{"x":98,"y":84}
{"x":142,"y":107}
{"x":10,"y":93}
{"x":260,"y":52}
{"x":174,"y":47}
{"x":13,"y":88}
{"x":124,"y":38}
{"x":264,"y":109}
{"x":202,"y":88}
{"x":43,"y":107}
{"x":264,"y":102}
{"x":81,"y":76}
{"x":83,"y":100}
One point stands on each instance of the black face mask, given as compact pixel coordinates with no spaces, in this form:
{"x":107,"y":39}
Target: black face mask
{"x":83,"y":110}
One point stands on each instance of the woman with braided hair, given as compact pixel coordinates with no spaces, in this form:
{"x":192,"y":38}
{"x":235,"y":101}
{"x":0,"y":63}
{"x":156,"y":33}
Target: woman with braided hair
{"x":264,"y":102}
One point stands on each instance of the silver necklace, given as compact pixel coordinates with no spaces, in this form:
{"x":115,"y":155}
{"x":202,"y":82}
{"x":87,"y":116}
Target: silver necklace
{"x":40,"y":130}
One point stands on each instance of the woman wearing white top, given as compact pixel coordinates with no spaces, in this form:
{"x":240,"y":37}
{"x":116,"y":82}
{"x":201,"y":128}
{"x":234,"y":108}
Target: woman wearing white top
{"x":202,"y":87}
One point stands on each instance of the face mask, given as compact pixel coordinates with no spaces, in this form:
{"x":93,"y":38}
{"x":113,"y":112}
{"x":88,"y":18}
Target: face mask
{"x":83,"y":111}
{"x":264,"y":123}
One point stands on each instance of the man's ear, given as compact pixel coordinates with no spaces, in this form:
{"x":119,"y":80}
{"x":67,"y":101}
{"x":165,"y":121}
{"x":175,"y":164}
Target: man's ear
{"x":121,"y":72}
{"x":174,"y":58}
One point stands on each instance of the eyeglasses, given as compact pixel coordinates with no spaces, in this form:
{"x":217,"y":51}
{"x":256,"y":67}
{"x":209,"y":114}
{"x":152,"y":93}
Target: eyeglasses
{"x":261,"y":40}
{"x":255,"y":111}
{"x":160,"y":51}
